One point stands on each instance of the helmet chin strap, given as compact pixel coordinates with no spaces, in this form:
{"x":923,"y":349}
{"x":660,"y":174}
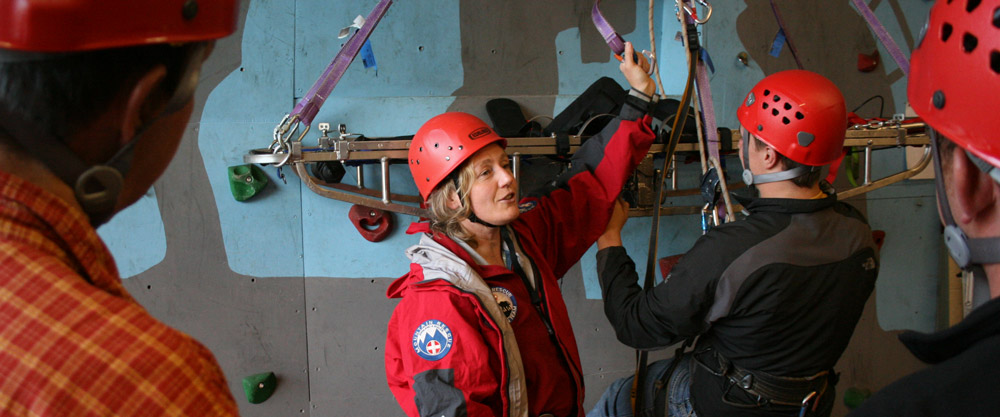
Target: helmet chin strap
{"x":96,"y":188}
{"x":750,"y":179}
{"x":968,"y":253}
{"x":476,"y":219}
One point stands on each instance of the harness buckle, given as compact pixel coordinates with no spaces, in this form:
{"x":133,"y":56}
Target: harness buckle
{"x":747,"y":381}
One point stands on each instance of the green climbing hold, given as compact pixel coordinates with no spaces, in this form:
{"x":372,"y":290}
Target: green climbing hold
{"x":259,"y":387}
{"x":246,"y":181}
{"x":853,"y":397}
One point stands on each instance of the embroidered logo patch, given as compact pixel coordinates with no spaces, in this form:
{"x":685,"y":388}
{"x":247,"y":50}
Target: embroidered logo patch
{"x":869,"y":264}
{"x":432,"y":340}
{"x":527,"y":205}
{"x":506,"y":301}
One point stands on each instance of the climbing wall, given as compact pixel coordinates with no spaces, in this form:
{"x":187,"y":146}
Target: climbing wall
{"x":283,"y":282}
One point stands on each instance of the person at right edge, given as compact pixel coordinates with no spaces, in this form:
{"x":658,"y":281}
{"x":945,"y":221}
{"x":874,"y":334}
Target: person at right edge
{"x":954,"y":85}
{"x":773,"y":298}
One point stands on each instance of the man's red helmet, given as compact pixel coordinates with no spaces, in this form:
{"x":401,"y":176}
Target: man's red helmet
{"x":801,"y":114}
{"x":81,"y":25}
{"x":443,"y":143}
{"x":954,"y":81}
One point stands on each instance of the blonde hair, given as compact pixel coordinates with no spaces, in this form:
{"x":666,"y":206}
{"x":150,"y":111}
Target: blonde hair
{"x":445,"y":219}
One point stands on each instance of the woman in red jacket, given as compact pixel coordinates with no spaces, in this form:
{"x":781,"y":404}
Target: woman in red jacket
{"x":482,"y":329}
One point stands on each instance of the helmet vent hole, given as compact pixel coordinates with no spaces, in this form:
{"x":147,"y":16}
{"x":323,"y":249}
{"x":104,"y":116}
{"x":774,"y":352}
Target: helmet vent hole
{"x":945,"y":32}
{"x":421,"y":149}
{"x":995,"y":61}
{"x":799,"y":115}
{"x":785,"y":120}
{"x":776,"y":98}
{"x":972,"y":5}
{"x":788,"y":106}
{"x":189,"y":10}
{"x":969,"y":42}
{"x":767,"y":93}
{"x":996,"y":18}
{"x":774,"y":112}
{"x":764,"y":106}
{"x":460,"y":147}
{"x":435,"y":146}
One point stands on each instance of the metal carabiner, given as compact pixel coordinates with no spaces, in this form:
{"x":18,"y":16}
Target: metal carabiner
{"x":805,"y":403}
{"x":706,"y":215}
{"x":694,"y":14}
{"x":282,"y":137}
{"x":279,"y":130}
{"x":651,"y":57}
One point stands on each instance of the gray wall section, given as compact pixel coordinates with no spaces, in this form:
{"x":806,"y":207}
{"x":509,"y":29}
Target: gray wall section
{"x":323,"y":336}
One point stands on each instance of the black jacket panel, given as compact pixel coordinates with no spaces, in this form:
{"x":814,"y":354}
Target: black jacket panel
{"x":964,"y":383}
{"x":779,"y":292}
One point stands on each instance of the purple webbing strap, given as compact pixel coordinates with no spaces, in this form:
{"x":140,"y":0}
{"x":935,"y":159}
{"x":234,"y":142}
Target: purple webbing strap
{"x":614,"y":40}
{"x":883,"y":36}
{"x":317,"y":95}
{"x":788,"y":37}
{"x":705,"y":100}
{"x":707,"y":111}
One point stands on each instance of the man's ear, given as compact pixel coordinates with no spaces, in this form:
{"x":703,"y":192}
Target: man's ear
{"x":974,"y":194}
{"x":770,"y":158}
{"x":143,"y":102}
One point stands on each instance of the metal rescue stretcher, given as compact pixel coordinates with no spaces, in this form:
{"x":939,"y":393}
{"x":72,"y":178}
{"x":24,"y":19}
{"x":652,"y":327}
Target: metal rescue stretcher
{"x":353,"y":150}
{"x":347,"y":148}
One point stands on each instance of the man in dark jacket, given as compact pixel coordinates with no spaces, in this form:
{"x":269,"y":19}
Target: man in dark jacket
{"x":774,"y":298}
{"x":954,"y":87}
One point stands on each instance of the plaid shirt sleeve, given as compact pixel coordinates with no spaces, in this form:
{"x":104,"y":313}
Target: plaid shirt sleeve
{"x":70,"y":349}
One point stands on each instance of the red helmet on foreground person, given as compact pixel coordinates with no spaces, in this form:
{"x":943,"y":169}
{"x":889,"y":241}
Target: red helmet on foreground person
{"x":63,"y":37}
{"x":801,"y":114}
{"x":954,"y":80}
{"x":443,"y":143}
{"x":80,"y":25}
{"x":953,"y":85}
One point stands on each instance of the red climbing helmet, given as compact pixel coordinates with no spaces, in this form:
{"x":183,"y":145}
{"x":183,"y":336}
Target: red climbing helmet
{"x":954,"y":81}
{"x":80,"y":25}
{"x":443,"y":143}
{"x":801,"y":114}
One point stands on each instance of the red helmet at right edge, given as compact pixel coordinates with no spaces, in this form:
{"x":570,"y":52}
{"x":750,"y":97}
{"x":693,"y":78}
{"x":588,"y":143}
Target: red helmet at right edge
{"x":799,"y":113}
{"x":954,"y":80}
{"x":81,"y":25}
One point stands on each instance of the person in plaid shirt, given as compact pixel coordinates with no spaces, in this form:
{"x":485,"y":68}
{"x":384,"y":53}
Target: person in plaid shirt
{"x":88,"y":89}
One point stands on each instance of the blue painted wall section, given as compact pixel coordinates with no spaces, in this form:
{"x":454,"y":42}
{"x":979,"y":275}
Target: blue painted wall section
{"x":263,"y":237}
{"x":142,"y":219}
